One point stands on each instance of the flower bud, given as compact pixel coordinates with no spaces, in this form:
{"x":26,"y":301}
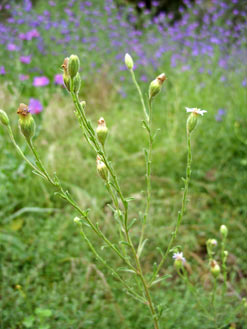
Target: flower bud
{"x":4,"y":119}
{"x":26,"y":121}
{"x":179,"y":260}
{"x":65,"y":65}
{"x":77,"y":83}
{"x":155,"y":85}
{"x":66,"y":81}
{"x":102,"y":169}
{"x":224,"y":231}
{"x":215,"y":268}
{"x":102,"y":131}
{"x":212,"y":243}
{"x":191,"y":122}
{"x":73,"y":65}
{"x":77,"y":220}
{"x":128,"y":61}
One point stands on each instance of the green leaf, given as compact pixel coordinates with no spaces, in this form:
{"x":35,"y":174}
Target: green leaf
{"x":132,"y":223}
{"x":28,"y":321}
{"x":125,"y":269}
{"x":43,"y":312}
{"x":164,"y":277}
{"x":141,"y":247}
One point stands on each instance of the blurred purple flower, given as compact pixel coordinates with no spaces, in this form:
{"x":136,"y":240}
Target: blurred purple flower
{"x":26,"y":59}
{"x":2,"y":70}
{"x":220,"y":114}
{"x":23,"y":77}
{"x":40,"y":81}
{"x":141,"y":4}
{"x":244,"y":82}
{"x":12,"y":47}
{"x":27,"y":5}
{"x":52,"y":3}
{"x":155,"y":3}
{"x":58,"y":79}
{"x":35,"y":106}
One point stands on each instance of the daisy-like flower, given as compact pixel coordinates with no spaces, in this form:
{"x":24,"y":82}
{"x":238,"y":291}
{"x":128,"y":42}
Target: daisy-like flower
{"x":195,"y":110}
{"x":178,"y":256}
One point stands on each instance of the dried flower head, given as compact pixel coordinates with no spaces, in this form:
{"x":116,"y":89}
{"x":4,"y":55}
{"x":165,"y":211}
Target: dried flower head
{"x":23,"y":110}
{"x":65,"y":65}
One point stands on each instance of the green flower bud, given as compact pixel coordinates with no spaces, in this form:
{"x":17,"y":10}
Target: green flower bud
{"x":77,"y":83}
{"x":212,"y":243}
{"x":66,"y":81}
{"x":224,"y":231}
{"x":215,"y":268}
{"x":26,"y":121}
{"x":128,"y":61}
{"x":102,"y":131}
{"x":4,"y":119}
{"x":155,"y":85}
{"x":102,"y":169}
{"x":73,"y":65}
{"x":191,"y":122}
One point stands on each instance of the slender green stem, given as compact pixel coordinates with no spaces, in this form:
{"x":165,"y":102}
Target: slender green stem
{"x":37,"y":157}
{"x":181,"y":212}
{"x":114,"y":273}
{"x":224,"y":268}
{"x":148,"y":172}
{"x":140,"y":94}
{"x":22,"y":154}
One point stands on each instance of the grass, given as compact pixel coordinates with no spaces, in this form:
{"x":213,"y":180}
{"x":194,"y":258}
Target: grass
{"x":42,"y":251}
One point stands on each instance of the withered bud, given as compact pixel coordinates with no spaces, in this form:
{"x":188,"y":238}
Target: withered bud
{"x":156,"y":84}
{"x":65,"y":65}
{"x":26,"y":121}
{"x":215,"y":268}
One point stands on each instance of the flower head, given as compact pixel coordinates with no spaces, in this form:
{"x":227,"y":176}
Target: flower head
{"x":195,"y":110}
{"x":35,"y":106}
{"x":178,"y":256}
{"x":58,"y":79}
{"x":40,"y":81}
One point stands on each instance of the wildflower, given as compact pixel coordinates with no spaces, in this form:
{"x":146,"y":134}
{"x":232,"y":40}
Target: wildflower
{"x":58,"y":79}
{"x":23,"y":77}
{"x":26,"y":122}
{"x":102,"y":131}
{"x":2,"y":70}
{"x":73,"y":65}
{"x":102,"y":169}
{"x":25,"y":59}
{"x":224,"y":231}
{"x":35,"y":106}
{"x":128,"y":61}
{"x":220,"y":114}
{"x":179,"y":259}
{"x":12,"y":47}
{"x":155,"y":85}
{"x":195,"y":110}
{"x":192,"y":119}
{"x":215,"y":268}
{"x":41,"y":81}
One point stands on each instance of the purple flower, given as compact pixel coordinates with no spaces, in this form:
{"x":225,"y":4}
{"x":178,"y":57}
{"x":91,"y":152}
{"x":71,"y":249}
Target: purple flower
{"x":26,"y":59}
{"x":220,"y":114}
{"x":58,"y":79}
{"x":244,"y":82}
{"x":155,"y":3}
{"x":23,"y":77}
{"x":2,"y":70}
{"x":12,"y":47}
{"x":40,"y":81}
{"x":141,"y":4}
{"x":35,"y":106}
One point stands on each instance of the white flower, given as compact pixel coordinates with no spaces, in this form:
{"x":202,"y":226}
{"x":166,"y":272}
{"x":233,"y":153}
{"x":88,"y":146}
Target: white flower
{"x":179,"y":256}
{"x":195,"y":110}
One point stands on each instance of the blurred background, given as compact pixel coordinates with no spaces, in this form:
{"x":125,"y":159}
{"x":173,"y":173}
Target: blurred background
{"x":48,"y":275}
